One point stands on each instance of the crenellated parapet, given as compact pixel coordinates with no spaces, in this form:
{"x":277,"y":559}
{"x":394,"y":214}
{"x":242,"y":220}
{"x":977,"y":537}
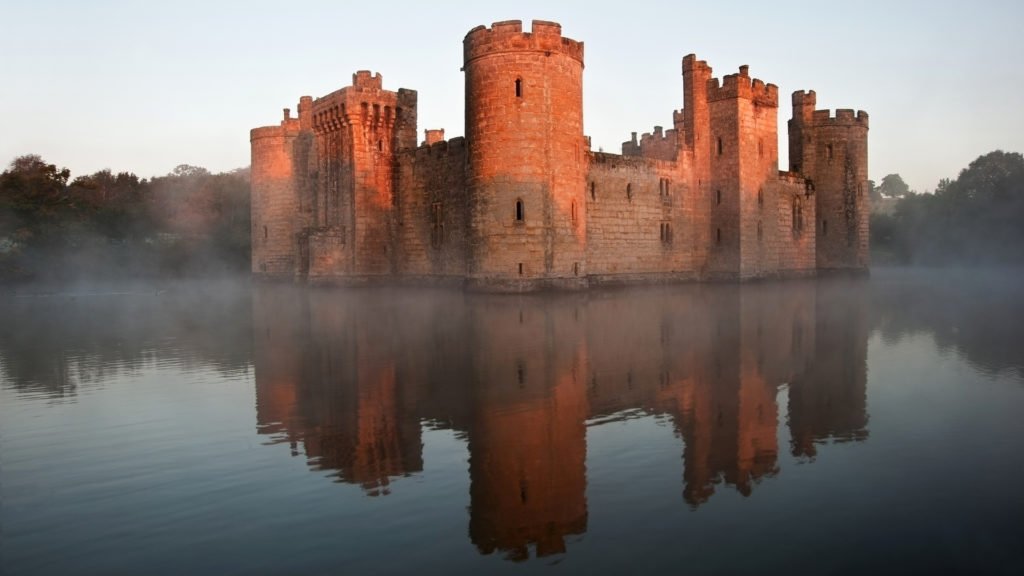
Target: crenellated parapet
{"x":741,"y":85}
{"x":364,"y":80}
{"x":365,"y":103}
{"x":841,"y":117}
{"x":509,"y":36}
{"x":660,"y":144}
{"x":440,"y":149}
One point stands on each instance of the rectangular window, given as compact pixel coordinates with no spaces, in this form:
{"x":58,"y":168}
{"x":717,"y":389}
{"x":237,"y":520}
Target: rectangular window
{"x":437,"y":225}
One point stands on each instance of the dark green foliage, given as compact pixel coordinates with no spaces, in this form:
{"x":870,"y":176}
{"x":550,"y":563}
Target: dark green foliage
{"x":977,"y":219}
{"x":104,"y":225}
{"x":893,"y":186}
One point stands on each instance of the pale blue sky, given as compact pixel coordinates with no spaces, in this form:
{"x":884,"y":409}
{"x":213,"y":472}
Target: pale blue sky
{"x":144,"y":86}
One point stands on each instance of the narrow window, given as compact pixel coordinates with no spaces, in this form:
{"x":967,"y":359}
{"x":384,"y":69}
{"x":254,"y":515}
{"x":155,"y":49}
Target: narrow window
{"x":718,"y":196}
{"x":718,"y":235}
{"x":264,"y":232}
{"x":573,"y":211}
{"x":519,"y":87}
{"x":519,"y":211}
{"x":593,"y":190}
{"x":437,"y":223}
{"x":760,"y":148}
{"x":629,"y":191}
{"x":520,"y":268}
{"x":798,"y":215}
{"x":829,"y":151}
{"x":575,"y":268}
{"x":380,"y":145}
{"x":719,"y":145}
{"x":667,"y":191}
{"x":760,"y":197}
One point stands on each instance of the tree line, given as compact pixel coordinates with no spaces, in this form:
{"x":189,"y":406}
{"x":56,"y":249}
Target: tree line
{"x":976,"y":219}
{"x":104,"y":225}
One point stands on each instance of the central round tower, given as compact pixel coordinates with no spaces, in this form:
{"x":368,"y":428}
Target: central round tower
{"x":527,"y":156}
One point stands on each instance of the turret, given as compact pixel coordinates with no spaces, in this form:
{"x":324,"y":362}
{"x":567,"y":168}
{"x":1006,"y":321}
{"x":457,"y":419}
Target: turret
{"x":275,"y":199}
{"x":359,"y":129}
{"x":743,"y":144}
{"x":527,"y":161}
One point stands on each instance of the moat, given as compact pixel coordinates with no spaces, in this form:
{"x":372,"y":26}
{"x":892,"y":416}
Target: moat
{"x":811,"y":426}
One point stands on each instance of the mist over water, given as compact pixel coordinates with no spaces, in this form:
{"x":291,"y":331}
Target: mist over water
{"x":830,"y":426}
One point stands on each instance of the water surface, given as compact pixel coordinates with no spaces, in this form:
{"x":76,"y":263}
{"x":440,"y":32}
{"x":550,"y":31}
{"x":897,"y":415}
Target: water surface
{"x":827,"y":427}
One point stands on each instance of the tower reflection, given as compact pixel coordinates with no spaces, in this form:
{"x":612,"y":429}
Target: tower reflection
{"x":347,"y":379}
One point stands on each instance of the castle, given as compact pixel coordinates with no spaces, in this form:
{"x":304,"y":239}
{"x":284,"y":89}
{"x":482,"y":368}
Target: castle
{"x":343,"y":193}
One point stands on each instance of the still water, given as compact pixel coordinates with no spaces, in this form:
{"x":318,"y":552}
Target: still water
{"x":817,"y":427}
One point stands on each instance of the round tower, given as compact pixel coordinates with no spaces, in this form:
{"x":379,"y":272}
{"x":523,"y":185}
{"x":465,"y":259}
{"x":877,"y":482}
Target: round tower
{"x":841,"y":186}
{"x":275,"y":201}
{"x":527,"y":156}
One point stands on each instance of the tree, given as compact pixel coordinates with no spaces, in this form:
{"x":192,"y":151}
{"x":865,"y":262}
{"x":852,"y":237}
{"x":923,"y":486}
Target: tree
{"x":893,"y":186}
{"x":976,"y":219}
{"x":32,"y":184}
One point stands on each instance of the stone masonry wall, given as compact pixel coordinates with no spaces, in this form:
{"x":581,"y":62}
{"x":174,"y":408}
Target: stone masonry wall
{"x":431,"y":211}
{"x":637,"y":220}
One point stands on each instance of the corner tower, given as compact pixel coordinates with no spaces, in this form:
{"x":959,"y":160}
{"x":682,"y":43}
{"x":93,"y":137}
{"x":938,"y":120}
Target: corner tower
{"x":527,"y":156}
{"x":275,"y":199}
{"x":832,"y":152}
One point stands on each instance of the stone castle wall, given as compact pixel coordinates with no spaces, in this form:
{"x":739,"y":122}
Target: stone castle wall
{"x":344,"y":194}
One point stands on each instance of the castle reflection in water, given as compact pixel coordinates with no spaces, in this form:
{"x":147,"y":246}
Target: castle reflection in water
{"x":349,"y":380}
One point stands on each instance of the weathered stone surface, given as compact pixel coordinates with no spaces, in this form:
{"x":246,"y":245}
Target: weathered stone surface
{"x":343,"y":193}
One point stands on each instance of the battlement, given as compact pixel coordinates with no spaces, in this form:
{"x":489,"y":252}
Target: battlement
{"x":741,"y":85}
{"x":432,"y":136}
{"x":367,"y":80}
{"x":691,"y":64}
{"x":802,"y":98}
{"x":289,"y":127}
{"x":508,"y":36}
{"x":842,"y":117}
{"x":454,"y":147}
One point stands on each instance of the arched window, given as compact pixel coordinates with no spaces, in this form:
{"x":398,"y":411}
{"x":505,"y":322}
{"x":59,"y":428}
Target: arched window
{"x":718,"y":196}
{"x":719,"y":145}
{"x":519,"y":87}
{"x":520,"y":213}
{"x":798,"y":215}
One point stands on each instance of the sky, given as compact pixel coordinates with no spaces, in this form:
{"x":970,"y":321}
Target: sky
{"x":146,"y":86}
